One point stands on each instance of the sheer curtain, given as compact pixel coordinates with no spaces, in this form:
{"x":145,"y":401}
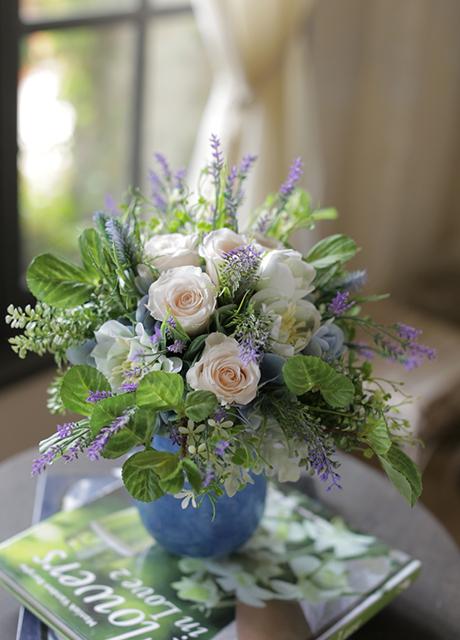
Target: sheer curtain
{"x":262,"y":97}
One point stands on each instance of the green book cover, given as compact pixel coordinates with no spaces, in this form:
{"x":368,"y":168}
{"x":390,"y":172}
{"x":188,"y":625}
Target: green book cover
{"x":94,"y":573}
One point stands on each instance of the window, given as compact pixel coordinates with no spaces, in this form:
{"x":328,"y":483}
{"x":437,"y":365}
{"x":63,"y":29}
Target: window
{"x":89,"y":89}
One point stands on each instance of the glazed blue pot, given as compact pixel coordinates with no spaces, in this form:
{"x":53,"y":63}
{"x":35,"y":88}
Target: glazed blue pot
{"x":192,"y":531}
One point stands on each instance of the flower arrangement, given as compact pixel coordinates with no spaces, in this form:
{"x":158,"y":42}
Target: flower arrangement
{"x":230,"y":343}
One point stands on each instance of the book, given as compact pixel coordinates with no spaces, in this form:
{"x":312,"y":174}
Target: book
{"x":93,"y":573}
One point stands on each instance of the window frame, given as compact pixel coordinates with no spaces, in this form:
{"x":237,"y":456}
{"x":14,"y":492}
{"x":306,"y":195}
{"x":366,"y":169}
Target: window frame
{"x":13,"y":28}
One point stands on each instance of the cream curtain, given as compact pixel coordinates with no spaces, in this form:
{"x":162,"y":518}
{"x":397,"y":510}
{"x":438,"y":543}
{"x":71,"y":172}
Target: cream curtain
{"x":261,"y":101}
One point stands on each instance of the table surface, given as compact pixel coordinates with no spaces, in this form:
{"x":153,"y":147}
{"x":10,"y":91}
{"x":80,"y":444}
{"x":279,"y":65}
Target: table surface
{"x":428,"y":610}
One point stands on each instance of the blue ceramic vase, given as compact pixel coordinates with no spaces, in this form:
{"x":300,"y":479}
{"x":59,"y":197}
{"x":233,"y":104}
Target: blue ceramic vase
{"x":192,"y":531}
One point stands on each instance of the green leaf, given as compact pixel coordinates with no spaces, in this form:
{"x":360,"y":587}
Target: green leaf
{"x":193,"y":474}
{"x":91,"y":251}
{"x":107,"y":410}
{"x":160,"y":390}
{"x":195,"y":348}
{"x":242,"y":457}
{"x":403,"y":473}
{"x":174,"y":482}
{"x":164,"y":463}
{"x":119,"y":445}
{"x":58,"y":282}
{"x":378,"y":436}
{"x":325,"y":214}
{"x":304,"y":373}
{"x":330,"y":250}
{"x":76,"y":385}
{"x":138,"y":430}
{"x":142,"y":483}
{"x":199,"y":404}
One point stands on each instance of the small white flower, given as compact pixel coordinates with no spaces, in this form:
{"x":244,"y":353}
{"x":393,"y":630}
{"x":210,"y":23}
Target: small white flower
{"x":188,"y":496}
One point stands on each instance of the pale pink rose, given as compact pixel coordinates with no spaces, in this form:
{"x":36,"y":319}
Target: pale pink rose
{"x":221,"y":371}
{"x":214,"y":245}
{"x":172,"y":250}
{"x":188,"y":294}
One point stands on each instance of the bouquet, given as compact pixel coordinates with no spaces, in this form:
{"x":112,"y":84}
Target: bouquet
{"x":229,"y":343}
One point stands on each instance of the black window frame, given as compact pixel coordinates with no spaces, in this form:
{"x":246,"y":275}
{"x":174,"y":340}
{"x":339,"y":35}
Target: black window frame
{"x":12,"y":29}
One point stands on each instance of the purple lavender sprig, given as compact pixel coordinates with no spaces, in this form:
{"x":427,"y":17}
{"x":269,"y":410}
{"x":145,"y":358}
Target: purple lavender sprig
{"x":97,"y":446}
{"x":240,"y":268}
{"x":252,"y":335}
{"x":177,"y":346}
{"x":294,"y":176}
{"x":221,"y":447}
{"x":218,"y":160}
{"x":319,"y":457}
{"x":161,"y":159}
{"x":340,"y":304}
{"x":97,"y":396}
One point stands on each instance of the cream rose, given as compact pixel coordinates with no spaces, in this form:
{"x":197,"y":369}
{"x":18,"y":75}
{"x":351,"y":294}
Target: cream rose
{"x":188,"y":294}
{"x":215,"y":244}
{"x":284,"y":271}
{"x":172,"y":250}
{"x":221,"y":371}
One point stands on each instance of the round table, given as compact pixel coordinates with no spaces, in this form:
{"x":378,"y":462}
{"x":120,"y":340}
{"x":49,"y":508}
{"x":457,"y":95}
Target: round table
{"x":428,"y":610}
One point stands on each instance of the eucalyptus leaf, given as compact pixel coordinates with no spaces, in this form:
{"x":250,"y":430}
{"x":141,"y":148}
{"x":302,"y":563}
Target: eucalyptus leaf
{"x":59,"y":282}
{"x":142,"y":483}
{"x":161,"y":391}
{"x":199,"y":404}
{"x":403,"y":473}
{"x":304,"y":373}
{"x":331,"y":250}
{"x":76,"y":385}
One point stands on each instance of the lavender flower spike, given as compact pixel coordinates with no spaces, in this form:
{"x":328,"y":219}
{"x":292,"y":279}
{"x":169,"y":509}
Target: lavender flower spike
{"x":294,"y":176}
{"x":339,"y":304}
{"x":160,"y":158}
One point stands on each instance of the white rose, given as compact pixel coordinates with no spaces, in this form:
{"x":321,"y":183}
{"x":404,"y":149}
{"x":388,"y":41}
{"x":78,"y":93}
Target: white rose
{"x":284,"y":271}
{"x":188,"y":294}
{"x":215,"y":244}
{"x":294,"y":321}
{"x":172,"y":250}
{"x":113,"y":343}
{"x":221,"y":371}
{"x":119,"y":352}
{"x":262,"y":243}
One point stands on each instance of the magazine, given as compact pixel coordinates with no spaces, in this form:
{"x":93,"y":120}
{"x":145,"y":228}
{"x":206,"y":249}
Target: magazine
{"x":93,"y":573}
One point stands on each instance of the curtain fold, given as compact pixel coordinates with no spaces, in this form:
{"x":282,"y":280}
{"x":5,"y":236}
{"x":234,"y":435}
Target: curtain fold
{"x":262,"y":98}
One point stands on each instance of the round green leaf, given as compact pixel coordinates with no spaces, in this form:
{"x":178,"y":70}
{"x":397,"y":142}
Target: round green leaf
{"x":58,"y":282}
{"x":160,"y":390}
{"x":142,"y":483}
{"x":304,"y":373}
{"x":108,"y":409}
{"x":199,"y":404}
{"x":76,"y":385}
